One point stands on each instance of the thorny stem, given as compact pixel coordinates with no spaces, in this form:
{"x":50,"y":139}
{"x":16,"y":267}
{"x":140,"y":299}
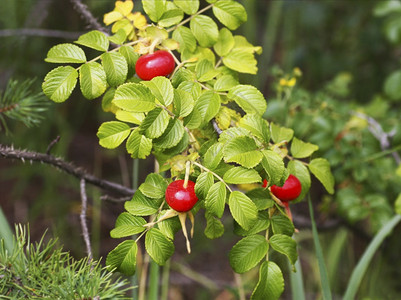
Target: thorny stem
{"x":214,"y":174}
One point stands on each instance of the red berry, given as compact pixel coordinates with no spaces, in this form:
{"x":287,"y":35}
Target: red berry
{"x":180,"y":198}
{"x":159,"y":63}
{"x":264,"y":183}
{"x":289,"y":191}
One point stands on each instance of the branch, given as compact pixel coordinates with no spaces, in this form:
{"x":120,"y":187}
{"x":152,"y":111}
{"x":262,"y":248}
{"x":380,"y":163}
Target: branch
{"x":83,"y":10}
{"x":68,"y":35}
{"x":84,"y":226}
{"x":11,"y":153}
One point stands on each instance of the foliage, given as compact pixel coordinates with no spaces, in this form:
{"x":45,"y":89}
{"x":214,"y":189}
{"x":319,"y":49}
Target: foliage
{"x":199,"y":123}
{"x":43,"y":271}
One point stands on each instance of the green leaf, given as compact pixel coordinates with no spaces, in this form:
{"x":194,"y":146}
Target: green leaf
{"x":241,"y":175}
{"x":225,"y":83}
{"x":123,"y":258}
{"x":189,"y":7}
{"x":241,"y":61}
{"x":107,"y":98}
{"x":249,"y":98}
{"x":205,"y":30}
{"x":161,"y":88}
{"x":134,"y":97}
{"x":172,"y":135}
{"x":242,"y":44}
{"x":130,"y":117}
{"x":193,"y":120}
{"x":216,"y":199}
{"x":225,"y":42}
{"x":257,"y":125}
{"x":243,"y":210}
{"x":116,"y":67}
{"x":203,"y":184}
{"x":131,"y":57}
{"x":183,"y":103}
{"x":119,"y":37}
{"x":66,"y":53}
{"x":285,"y":245}
{"x":271,"y":282}
{"x":208,"y":105}
{"x":138,"y":145}
{"x":192,"y":87}
{"x":386,"y":7}
{"x":230,"y":13}
{"x":169,"y":227}
{"x":93,"y":80}
{"x":213,"y":156}
{"x":300,"y":171}
{"x":154,"y":8}
{"x":273,"y":164}
{"x":155,"y":123}
{"x":154,"y":186}
{"x":261,"y":224}
{"x":282,"y":225}
{"x":127,"y":225}
{"x":300,"y":149}
{"x":261,"y":198}
{"x":231,"y":133}
{"x":280,"y":134}
{"x":320,"y":167}
{"x":171,"y":17}
{"x":183,"y":35}
{"x":242,"y":150}
{"x":392,"y":85}
{"x":214,"y":228}
{"x":247,"y":253}
{"x":112,"y":134}
{"x":59,"y":83}
{"x":183,"y":74}
{"x":94,"y":39}
{"x":397,"y":205}
{"x":140,"y":205}
{"x":205,"y":70}
{"x":159,"y":247}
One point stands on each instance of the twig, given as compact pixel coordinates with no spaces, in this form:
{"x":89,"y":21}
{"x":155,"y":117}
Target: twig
{"x":84,"y":226}
{"x":114,"y":199}
{"x":11,"y":153}
{"x":86,"y":15}
{"x":68,"y":35}
{"x":52,"y":143}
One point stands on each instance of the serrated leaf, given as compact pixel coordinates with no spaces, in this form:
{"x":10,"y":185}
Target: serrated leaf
{"x":216,"y":199}
{"x":243,"y":210}
{"x":214,"y":228}
{"x":155,"y":123}
{"x":285,"y":245}
{"x":242,"y":150}
{"x":127,"y":225}
{"x":247,"y":253}
{"x":66,"y":53}
{"x":205,"y":70}
{"x":140,"y":205}
{"x":154,"y":186}
{"x":241,"y":175}
{"x":192,"y":87}
{"x":282,"y":225}
{"x":213,"y":156}
{"x":134,"y":97}
{"x":138,"y":145}
{"x":161,"y":88}
{"x":320,"y":167}
{"x":171,"y":17}
{"x":203,"y":183}
{"x":183,"y":35}
{"x":94,"y":39}
{"x":59,"y":83}
{"x":119,"y":37}
{"x":183,"y":103}
{"x":205,"y":30}
{"x":130,"y":117}
{"x":261,"y":198}
{"x":261,"y":224}
{"x":158,"y":246}
{"x":181,"y":75}
{"x":93,"y":80}
{"x":242,"y":43}
{"x":125,"y":8}
{"x":249,"y":98}
{"x":107,"y":104}
{"x":189,"y":7}
{"x":300,"y":171}
{"x":271,"y":282}
{"x":273,"y":164}
{"x":172,"y":135}
{"x":225,"y":42}
{"x":131,"y":57}
{"x":169,"y":227}
{"x":241,"y":61}
{"x":300,"y":149}
{"x":116,"y":68}
{"x":257,"y":125}
{"x":193,"y":120}
{"x":230,"y":13}
{"x":280,"y":134}
{"x":225,"y":83}
{"x":112,"y":17}
{"x":232,"y":133}
{"x":208,"y":105}
{"x":112,"y":134}
{"x":154,"y":8}
{"x":123,"y":258}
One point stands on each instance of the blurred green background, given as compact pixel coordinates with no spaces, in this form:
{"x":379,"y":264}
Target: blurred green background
{"x":349,"y":54}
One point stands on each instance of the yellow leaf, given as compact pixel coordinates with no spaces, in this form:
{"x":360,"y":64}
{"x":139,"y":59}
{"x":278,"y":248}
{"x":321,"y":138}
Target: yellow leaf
{"x":112,"y":17}
{"x":138,"y":19}
{"x":125,"y":8}
{"x":122,"y":24}
{"x":170,"y":44}
{"x":291,"y":82}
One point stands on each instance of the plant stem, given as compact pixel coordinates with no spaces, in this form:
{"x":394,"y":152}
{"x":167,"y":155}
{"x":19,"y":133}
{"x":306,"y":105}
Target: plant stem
{"x":153,"y":291}
{"x":238,"y":281}
{"x":165,"y":280}
{"x":190,"y":18}
{"x":211,"y":172}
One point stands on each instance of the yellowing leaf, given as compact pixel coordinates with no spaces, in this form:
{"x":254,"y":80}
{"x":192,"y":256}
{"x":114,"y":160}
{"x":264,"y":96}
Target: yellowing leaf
{"x":112,"y":17}
{"x":125,"y":7}
{"x":123,"y":24}
{"x":138,"y":19}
